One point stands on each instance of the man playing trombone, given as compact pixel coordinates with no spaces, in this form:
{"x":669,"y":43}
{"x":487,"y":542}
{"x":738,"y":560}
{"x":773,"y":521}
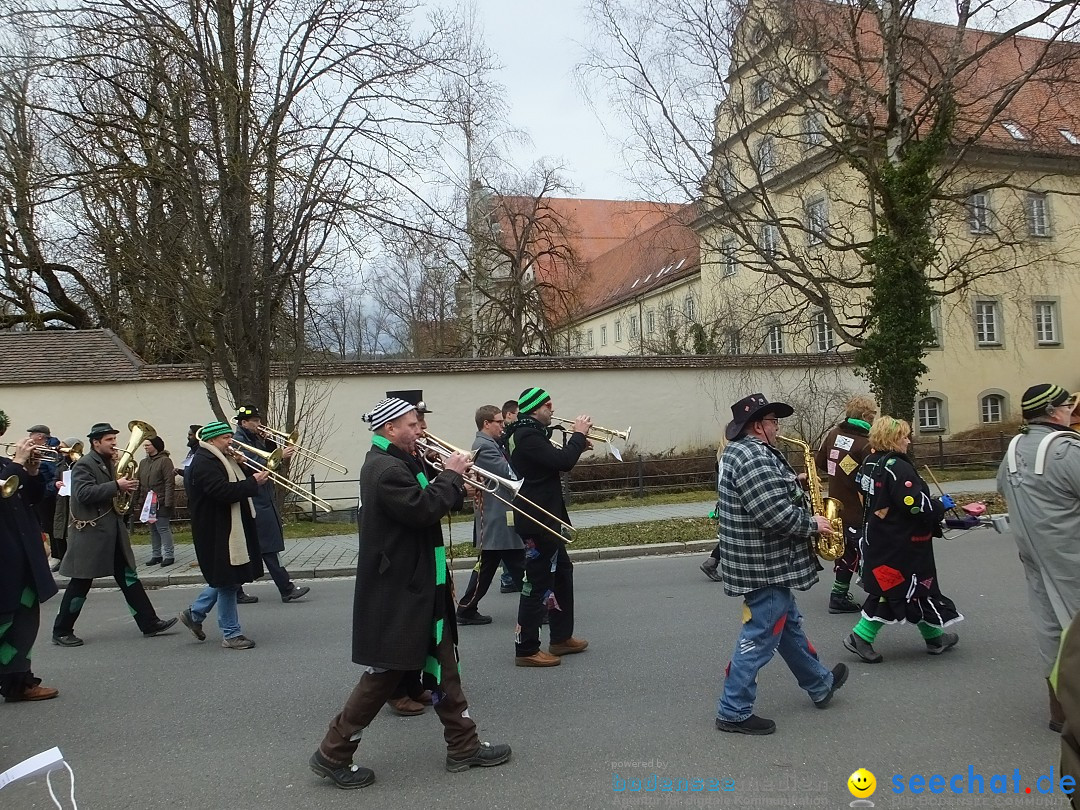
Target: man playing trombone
{"x":494,"y":531}
{"x":267,"y":519}
{"x":403,"y":612}
{"x":549,"y":574}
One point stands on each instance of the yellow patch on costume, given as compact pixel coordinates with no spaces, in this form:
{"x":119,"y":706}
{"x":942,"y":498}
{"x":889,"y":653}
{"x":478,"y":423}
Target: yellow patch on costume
{"x":745,"y":613}
{"x":908,"y":500}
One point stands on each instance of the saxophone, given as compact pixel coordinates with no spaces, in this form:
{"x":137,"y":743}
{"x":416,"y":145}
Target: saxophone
{"x":829,"y":547}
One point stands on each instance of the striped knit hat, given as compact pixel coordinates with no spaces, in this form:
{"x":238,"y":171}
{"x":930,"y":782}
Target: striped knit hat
{"x":1040,"y":397}
{"x":531,"y":399}
{"x":213,"y":430}
{"x":386,"y":411}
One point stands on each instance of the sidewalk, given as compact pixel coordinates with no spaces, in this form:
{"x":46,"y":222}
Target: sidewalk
{"x":335,"y":555}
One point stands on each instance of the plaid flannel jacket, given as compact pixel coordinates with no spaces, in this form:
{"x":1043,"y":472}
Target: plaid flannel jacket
{"x":765,"y":526}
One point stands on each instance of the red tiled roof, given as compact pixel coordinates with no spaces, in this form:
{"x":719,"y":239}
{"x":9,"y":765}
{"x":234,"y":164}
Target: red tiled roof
{"x":666,"y":252}
{"x":1031,"y":79}
{"x":66,"y":355}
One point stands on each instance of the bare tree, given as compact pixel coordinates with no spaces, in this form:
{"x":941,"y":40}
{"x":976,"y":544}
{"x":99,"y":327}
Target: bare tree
{"x":523,"y":272}
{"x":225,"y":159}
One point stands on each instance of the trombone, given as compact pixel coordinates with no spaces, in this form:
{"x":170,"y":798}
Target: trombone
{"x":269,"y":463}
{"x":598,"y":434}
{"x":293,"y":440}
{"x":489,"y":482}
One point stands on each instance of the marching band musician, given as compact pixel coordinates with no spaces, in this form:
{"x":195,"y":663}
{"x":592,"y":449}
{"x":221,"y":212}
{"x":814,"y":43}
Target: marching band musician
{"x":549,"y":573}
{"x":842,"y":451}
{"x":25,"y":579}
{"x":98,"y":543}
{"x":267,"y":520}
{"x":765,"y":532}
{"x":403,"y":612}
{"x":220,"y":493}
{"x":494,"y":532}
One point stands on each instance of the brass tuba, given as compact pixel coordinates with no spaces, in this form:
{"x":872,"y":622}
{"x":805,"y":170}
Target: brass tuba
{"x":828,"y":547}
{"x":126,"y":465}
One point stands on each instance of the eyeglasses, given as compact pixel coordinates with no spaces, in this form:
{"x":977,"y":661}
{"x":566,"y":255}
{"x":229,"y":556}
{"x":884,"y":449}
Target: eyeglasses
{"x":771,"y":419}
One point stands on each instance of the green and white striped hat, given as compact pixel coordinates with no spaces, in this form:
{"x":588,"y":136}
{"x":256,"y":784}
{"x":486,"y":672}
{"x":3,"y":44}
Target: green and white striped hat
{"x":531,"y":399}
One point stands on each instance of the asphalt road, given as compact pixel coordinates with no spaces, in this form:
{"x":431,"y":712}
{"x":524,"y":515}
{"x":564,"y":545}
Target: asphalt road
{"x":171,"y":723}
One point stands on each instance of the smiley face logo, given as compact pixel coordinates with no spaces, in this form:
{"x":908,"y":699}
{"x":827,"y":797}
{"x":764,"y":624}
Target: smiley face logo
{"x":862,"y":784}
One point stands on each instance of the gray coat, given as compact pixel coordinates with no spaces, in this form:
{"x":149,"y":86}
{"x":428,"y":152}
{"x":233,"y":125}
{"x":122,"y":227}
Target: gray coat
{"x":92,"y":548}
{"x":495,"y":530}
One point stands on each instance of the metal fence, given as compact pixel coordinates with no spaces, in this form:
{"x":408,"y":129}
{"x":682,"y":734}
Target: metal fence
{"x":641,"y":475}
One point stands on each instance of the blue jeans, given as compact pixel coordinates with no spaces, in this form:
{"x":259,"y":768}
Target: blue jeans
{"x":225,"y":599}
{"x":771,"y":622}
{"x":161,"y":539}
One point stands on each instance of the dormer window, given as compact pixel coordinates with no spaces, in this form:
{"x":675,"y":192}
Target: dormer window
{"x":762,"y":91}
{"x":1070,"y":136}
{"x":1014,"y":129}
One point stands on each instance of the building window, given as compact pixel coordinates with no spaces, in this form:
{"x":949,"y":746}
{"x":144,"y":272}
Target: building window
{"x":1014,"y":129}
{"x":1037,"y":215}
{"x":669,"y":316}
{"x":766,"y":156}
{"x":589,"y":339}
{"x":762,"y":91}
{"x":727,"y":179}
{"x":633,"y":326}
{"x":824,"y":340}
{"x":1046,"y":330}
{"x":978,"y":208}
{"x":733,"y":342}
{"x":817,"y":221}
{"x":775,"y":342}
{"x":618,"y":331}
{"x":689,"y":308}
{"x":987,"y":323}
{"x":813,"y":130}
{"x":650,"y":322}
{"x":992,"y":407}
{"x":935,"y":325}
{"x":603,"y":335}
{"x":770,"y":238}
{"x":930,"y":414}
{"x":731,"y":260}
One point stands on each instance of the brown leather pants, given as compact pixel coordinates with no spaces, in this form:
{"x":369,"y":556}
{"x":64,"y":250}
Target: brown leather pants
{"x":375,"y":688}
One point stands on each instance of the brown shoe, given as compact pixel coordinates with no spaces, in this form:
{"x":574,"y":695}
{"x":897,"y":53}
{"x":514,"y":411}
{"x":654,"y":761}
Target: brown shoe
{"x":537,"y":659}
{"x":424,"y":697}
{"x":405,"y":706}
{"x":569,"y":647}
{"x":40,"y":692}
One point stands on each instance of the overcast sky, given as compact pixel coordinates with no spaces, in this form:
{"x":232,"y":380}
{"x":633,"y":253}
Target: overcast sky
{"x":538,"y":45}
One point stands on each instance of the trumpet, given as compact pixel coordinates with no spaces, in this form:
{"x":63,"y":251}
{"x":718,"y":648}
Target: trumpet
{"x":489,"y":482}
{"x":293,"y":440}
{"x":596,"y":434}
{"x":41,"y":452}
{"x":270,"y":461}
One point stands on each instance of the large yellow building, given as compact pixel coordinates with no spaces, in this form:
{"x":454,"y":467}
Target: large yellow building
{"x":788,"y":212}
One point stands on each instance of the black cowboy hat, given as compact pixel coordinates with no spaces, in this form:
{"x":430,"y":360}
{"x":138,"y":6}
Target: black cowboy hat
{"x":750,"y":409}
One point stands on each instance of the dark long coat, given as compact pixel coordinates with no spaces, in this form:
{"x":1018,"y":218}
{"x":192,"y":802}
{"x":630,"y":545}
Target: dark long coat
{"x":536,"y":460}
{"x":267,"y":518}
{"x":210,"y":498}
{"x":22,"y":554}
{"x":396,"y":595}
{"x":92,"y":549}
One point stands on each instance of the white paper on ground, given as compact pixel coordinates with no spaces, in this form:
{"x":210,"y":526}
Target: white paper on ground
{"x":39,"y":763}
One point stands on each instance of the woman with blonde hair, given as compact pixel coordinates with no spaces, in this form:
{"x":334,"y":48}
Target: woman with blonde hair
{"x":900,"y":520}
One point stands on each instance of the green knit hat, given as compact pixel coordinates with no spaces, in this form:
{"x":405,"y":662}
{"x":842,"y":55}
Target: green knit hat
{"x":213,"y":430}
{"x":531,"y":399}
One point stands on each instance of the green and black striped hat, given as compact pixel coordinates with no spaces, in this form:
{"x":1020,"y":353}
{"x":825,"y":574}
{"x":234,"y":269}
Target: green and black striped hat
{"x":1039,"y":397}
{"x":531,"y":399}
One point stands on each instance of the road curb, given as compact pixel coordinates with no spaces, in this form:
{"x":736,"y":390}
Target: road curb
{"x":193,"y":577}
